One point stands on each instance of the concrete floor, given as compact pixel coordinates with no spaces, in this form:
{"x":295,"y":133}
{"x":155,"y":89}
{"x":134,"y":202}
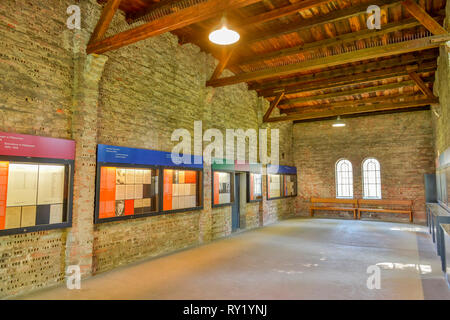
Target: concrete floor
{"x":294,"y":259}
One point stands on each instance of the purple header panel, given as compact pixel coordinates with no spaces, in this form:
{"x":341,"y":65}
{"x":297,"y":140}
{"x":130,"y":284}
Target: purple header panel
{"x":23,"y":145}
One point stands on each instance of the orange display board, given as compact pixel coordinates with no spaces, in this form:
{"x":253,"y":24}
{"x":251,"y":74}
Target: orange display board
{"x":190,"y":177}
{"x":4,"y":166}
{"x":216,"y":187}
{"x":129,"y":207}
{"x":107,"y":192}
{"x":168,"y":181}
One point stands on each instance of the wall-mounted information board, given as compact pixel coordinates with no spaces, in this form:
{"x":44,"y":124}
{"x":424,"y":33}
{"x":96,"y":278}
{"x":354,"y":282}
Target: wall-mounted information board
{"x":443,"y":179}
{"x":281,"y":182}
{"x":36,"y":183}
{"x":133,"y":183}
{"x":222,"y":182}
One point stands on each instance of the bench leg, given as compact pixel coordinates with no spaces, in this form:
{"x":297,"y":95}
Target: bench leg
{"x":411,"y":218}
{"x":354,"y":215}
{"x":311,"y":212}
{"x":359,"y":214}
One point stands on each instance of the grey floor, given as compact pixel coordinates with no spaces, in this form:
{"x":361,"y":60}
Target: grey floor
{"x":294,"y":259}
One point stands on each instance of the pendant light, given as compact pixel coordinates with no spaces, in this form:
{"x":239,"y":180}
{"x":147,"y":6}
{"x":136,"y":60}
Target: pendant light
{"x":224,"y":36}
{"x":339,"y":123}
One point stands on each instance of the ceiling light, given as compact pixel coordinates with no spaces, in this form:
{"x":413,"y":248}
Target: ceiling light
{"x":339,"y":123}
{"x":224,"y":36}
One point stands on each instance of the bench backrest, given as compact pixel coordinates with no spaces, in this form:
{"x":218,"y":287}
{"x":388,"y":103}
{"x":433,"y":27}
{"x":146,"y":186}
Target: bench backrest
{"x":408,"y":203}
{"x":333,"y":200}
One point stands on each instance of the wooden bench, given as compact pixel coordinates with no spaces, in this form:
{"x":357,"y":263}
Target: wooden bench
{"x":329,"y":207}
{"x":389,"y":206}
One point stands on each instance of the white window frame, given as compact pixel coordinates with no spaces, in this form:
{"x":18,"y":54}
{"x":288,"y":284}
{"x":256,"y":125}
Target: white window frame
{"x":338,"y":176}
{"x":377,"y":178}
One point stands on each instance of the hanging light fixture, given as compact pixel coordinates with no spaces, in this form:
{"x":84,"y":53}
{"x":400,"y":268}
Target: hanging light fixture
{"x":339,"y":123}
{"x":224,"y":36}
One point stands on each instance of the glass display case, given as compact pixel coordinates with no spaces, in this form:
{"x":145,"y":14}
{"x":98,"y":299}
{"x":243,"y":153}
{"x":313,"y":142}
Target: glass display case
{"x":254,"y":187}
{"x":182,"y":189}
{"x":36,"y":187}
{"x":127,"y":191}
{"x":281,"y":182}
{"x":223,"y":188}
{"x":134,"y":183}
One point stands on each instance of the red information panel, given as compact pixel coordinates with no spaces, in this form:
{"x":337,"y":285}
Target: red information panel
{"x":23,"y":145}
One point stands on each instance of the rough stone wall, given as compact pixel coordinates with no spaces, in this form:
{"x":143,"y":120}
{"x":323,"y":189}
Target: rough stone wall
{"x":134,"y":97}
{"x":441,"y":112}
{"x":36,"y":74}
{"x":144,"y":98}
{"x":402,"y":143}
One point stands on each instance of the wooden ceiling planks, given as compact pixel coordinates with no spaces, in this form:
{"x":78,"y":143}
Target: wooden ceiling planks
{"x":289,"y":47}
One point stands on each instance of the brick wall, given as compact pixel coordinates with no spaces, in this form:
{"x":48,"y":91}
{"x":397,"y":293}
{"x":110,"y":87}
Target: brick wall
{"x":402,"y":143}
{"x":133,"y":97}
{"x":441,"y":112}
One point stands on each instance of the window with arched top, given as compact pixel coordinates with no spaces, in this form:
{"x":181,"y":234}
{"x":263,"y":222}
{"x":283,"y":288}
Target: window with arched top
{"x":371,"y":179}
{"x":344,"y":179}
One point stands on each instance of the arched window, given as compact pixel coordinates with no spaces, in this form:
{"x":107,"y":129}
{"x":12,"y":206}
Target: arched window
{"x":371,"y":179}
{"x":344,"y":179}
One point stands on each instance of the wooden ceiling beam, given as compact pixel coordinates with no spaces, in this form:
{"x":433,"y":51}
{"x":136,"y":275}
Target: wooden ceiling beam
{"x":421,"y":84}
{"x":281,"y":12}
{"x":355,"y":110}
{"x":402,"y":60}
{"x":334,"y":60}
{"x":179,"y":19}
{"x":339,"y":94}
{"x":423,"y":17}
{"x":105,"y":20}
{"x":353,"y":102}
{"x":361,"y":78}
{"x":307,"y":24}
{"x":335,"y":41}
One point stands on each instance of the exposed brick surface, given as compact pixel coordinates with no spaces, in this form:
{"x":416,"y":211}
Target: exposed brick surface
{"x":402,"y":143}
{"x":441,"y":114}
{"x":133,"y":97}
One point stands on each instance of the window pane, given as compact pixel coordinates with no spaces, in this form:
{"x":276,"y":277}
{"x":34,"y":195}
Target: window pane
{"x":344,"y":179}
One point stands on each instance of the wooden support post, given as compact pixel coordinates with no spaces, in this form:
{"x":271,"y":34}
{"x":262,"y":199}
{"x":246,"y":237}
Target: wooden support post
{"x":273,"y":104}
{"x":422,"y":85}
{"x":105,"y":19}
{"x":423,"y":17}
{"x":223,"y":63}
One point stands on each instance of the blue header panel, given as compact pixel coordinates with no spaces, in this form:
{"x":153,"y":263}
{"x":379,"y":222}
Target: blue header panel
{"x":113,"y":154}
{"x":271,"y":169}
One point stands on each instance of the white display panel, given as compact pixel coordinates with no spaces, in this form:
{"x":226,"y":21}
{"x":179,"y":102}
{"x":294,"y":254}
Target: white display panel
{"x":22,"y":184}
{"x":51,"y":184}
{"x":274,"y":186}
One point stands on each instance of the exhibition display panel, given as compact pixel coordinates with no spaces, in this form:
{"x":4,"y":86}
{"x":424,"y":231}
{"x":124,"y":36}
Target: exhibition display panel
{"x":222,"y":182}
{"x":36,"y":183}
{"x":182,"y":189}
{"x":443,"y":179}
{"x":129,"y":183}
{"x":254,"y":187}
{"x":281,"y":182}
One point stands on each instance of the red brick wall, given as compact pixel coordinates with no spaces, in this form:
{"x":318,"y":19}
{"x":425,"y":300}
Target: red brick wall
{"x":403,"y":143}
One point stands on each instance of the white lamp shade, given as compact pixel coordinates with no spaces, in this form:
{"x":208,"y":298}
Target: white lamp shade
{"x":224,"y":36}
